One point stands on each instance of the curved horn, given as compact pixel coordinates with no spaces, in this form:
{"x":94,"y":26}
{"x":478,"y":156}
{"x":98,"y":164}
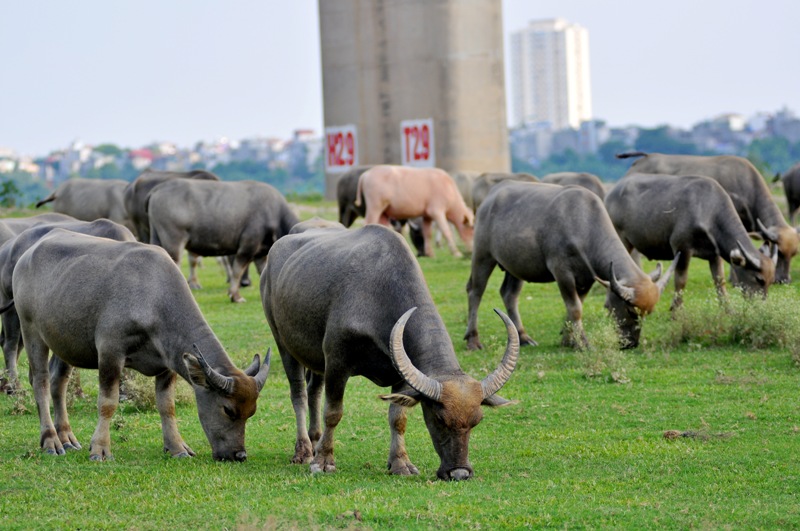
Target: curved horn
{"x":770,"y":235}
{"x":661,"y":283}
{"x":492,"y":383}
{"x":263,"y":372}
{"x":413,"y":376}
{"x":656,"y":273}
{"x":626,"y":293}
{"x":217,"y":380}
{"x":753,"y":261}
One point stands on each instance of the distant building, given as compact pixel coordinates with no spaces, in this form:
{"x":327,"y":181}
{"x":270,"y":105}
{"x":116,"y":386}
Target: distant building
{"x":550,"y":74}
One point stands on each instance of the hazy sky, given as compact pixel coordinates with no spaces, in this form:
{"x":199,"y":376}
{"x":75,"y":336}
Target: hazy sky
{"x":131,"y":73}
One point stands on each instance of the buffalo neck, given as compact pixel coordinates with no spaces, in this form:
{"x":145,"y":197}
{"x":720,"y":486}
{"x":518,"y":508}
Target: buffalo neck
{"x":428,"y":343}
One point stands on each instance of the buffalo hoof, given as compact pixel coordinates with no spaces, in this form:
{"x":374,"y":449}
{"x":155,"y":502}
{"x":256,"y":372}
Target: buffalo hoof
{"x":70,"y":446}
{"x":317,"y":468}
{"x":195,"y":285}
{"x":237,"y":298}
{"x":473,"y":343}
{"x":54,"y":451}
{"x":402,"y":468}
{"x":246,"y":283}
{"x":526,"y":340}
{"x":182,"y":455}
{"x":101,"y":457}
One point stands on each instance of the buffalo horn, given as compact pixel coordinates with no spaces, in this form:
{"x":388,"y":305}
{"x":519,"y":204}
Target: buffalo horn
{"x":492,"y":383}
{"x":754,"y":261}
{"x":625,"y":292}
{"x":214,"y":378}
{"x":413,"y":376}
{"x":769,"y":235}
{"x":263,"y":372}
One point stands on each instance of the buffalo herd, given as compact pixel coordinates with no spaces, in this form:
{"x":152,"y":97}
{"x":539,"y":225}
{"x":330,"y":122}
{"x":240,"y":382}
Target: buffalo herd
{"x":97,"y":284}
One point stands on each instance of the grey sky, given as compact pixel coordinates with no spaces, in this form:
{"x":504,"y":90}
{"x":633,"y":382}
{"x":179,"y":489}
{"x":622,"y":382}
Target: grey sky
{"x":134,"y":72}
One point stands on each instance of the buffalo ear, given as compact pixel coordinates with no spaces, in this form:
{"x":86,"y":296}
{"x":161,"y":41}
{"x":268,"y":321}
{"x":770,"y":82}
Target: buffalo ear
{"x":196,"y":374}
{"x":404,"y":399}
{"x":498,"y":401}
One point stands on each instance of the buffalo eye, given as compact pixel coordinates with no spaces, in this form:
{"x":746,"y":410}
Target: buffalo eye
{"x":230,"y":412}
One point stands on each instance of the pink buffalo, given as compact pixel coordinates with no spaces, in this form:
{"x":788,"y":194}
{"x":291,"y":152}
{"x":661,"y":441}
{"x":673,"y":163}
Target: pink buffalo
{"x":400,"y":192}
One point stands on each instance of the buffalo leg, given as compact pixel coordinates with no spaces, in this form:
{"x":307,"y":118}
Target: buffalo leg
{"x":444,"y":227}
{"x":427,"y":236}
{"x":40,"y":381}
{"x":509,"y":291}
{"x":194,"y":264}
{"x":295,"y":373}
{"x":482,"y":267}
{"x":334,"y":394}
{"x":573,"y":334}
{"x":314,"y":390}
{"x":238,"y":267}
{"x":110,"y":372}
{"x":681,"y":276}
{"x":399,"y":462}
{"x":718,"y":274}
{"x":12,"y":344}
{"x":59,"y":380}
{"x":174,"y":444}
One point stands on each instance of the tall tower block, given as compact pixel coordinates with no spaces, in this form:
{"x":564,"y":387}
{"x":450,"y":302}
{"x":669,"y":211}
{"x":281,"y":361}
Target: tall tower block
{"x":437,"y":64}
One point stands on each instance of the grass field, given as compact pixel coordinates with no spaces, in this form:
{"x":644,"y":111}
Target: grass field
{"x":587,"y":445}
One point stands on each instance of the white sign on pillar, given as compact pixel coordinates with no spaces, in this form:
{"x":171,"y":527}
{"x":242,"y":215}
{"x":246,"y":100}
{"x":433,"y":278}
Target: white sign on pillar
{"x":341,"y":148}
{"x":416,"y":143}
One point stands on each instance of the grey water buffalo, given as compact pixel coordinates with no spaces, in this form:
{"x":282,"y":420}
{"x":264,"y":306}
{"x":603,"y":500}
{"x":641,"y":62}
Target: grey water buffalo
{"x":10,"y":253}
{"x":346,"y":190}
{"x":589,"y":181}
{"x":748,"y":191}
{"x":102,"y":304}
{"x":211,"y":218}
{"x":662,"y":215}
{"x":11,"y":227}
{"x":545,"y":233}
{"x":91,"y":199}
{"x":342,"y":303}
{"x":483,"y":183}
{"x":400,"y":192}
{"x":791,"y":186}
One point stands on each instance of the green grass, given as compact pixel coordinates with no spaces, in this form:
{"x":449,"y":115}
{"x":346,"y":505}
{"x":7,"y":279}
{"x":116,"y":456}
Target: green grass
{"x":578,"y":450}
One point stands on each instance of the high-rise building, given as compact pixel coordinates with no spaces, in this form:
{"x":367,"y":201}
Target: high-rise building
{"x":550,"y":74}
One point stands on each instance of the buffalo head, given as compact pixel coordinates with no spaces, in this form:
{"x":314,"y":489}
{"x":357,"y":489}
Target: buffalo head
{"x":752,"y":273}
{"x":787,"y":241}
{"x":628,"y":301}
{"x":224,"y":403}
{"x":451,"y":405}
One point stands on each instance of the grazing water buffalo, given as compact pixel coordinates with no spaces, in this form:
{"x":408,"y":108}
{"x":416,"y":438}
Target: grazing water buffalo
{"x":399,"y":192}
{"x":791,"y":185}
{"x":101,"y":304}
{"x":589,"y":181}
{"x":211,"y":218}
{"x":661,"y":215}
{"x":483,"y":184}
{"x":340,"y":303}
{"x":91,"y":199}
{"x":748,"y":191}
{"x":545,"y":233}
{"x":11,"y":227}
{"x":10,"y":253}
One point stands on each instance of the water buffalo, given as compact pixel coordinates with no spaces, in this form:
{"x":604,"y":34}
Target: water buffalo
{"x":210,"y":218}
{"x":589,"y":181}
{"x":9,"y":254}
{"x":545,"y":233}
{"x":400,"y":192}
{"x":340,"y":303}
{"x":102,"y":304}
{"x":11,"y":227}
{"x":346,"y":189}
{"x":483,"y":183}
{"x":662,"y":215}
{"x":746,"y":187}
{"x":135,"y":198}
{"x":791,"y":186}
{"x":91,"y":199}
